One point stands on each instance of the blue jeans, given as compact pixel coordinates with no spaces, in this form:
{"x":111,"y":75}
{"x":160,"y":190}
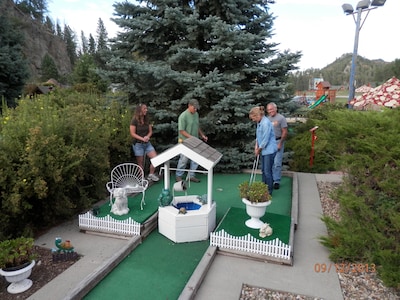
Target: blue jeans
{"x":277,"y":168}
{"x":142,"y":148}
{"x":267,"y":162}
{"x":182,"y":165}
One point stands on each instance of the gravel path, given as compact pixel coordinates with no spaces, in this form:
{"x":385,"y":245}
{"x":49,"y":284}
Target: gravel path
{"x":355,"y":285}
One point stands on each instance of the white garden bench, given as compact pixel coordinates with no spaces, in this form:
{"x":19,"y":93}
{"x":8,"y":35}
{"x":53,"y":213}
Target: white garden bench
{"x":130,"y":177}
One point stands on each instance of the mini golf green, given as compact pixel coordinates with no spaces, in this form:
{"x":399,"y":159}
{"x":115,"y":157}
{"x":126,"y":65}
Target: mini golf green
{"x":159,"y":268}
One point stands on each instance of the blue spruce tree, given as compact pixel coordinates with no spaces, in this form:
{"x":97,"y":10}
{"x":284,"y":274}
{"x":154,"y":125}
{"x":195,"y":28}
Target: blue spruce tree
{"x":217,"y":52}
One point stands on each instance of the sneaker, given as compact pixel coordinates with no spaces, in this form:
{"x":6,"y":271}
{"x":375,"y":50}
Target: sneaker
{"x":153,"y":177}
{"x":194,"y":179}
{"x":276,"y":186}
{"x":178,"y":179}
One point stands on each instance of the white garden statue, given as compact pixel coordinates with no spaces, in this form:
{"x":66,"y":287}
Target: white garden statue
{"x":120,"y":205}
{"x":265,"y":230}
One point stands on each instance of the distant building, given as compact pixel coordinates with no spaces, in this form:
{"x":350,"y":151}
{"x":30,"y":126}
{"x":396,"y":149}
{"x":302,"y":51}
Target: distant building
{"x":314,"y":82}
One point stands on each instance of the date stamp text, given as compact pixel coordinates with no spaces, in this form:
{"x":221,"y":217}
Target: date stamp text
{"x":344,"y":268}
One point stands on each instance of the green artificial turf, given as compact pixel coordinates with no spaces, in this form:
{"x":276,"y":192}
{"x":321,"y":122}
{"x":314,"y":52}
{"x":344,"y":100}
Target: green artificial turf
{"x":151,"y":207}
{"x":234,"y":224}
{"x":225,"y":193}
{"x":159,"y":268}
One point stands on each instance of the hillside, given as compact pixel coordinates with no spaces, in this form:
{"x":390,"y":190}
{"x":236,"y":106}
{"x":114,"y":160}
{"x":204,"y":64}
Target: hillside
{"x":338,"y":72}
{"x":38,"y":41}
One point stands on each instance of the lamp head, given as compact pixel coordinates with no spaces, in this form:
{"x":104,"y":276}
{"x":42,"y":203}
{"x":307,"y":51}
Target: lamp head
{"x":378,"y":2}
{"x":364,"y":4}
{"x":347,"y":8}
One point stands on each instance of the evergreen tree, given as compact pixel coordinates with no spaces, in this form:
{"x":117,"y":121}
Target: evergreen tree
{"x":69,"y":39}
{"x":59,"y":31}
{"x":35,"y":8}
{"x":102,"y":36}
{"x":215,"y":51}
{"x":49,"y":68}
{"x":85,"y":74}
{"x":85,"y":43}
{"x":102,"y":54}
{"x":395,"y":66}
{"x":13,"y":66}
{"x":92,"y":44}
{"x":49,"y":24}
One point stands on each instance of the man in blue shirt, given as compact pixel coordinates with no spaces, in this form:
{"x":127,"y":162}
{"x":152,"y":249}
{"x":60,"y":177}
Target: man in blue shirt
{"x":265,"y":144}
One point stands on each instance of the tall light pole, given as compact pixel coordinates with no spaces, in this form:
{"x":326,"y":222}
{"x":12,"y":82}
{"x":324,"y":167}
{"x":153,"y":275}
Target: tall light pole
{"x":362,"y":6}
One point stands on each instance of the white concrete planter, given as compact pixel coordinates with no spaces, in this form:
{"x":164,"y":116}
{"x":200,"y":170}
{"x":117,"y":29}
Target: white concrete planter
{"x":255,"y":211}
{"x":19,"y":279}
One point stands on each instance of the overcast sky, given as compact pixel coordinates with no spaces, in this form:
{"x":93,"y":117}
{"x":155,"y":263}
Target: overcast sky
{"x":317,"y":28}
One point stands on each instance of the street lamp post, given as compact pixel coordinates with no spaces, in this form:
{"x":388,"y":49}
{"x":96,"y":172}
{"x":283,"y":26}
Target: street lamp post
{"x":362,"y":6}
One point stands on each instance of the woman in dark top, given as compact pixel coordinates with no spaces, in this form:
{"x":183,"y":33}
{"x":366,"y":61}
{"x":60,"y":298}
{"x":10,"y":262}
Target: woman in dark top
{"x":141,"y":131}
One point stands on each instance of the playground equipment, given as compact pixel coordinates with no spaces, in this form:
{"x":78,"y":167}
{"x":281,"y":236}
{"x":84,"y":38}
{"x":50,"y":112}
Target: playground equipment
{"x":323,"y":93}
{"x":318,"y":102}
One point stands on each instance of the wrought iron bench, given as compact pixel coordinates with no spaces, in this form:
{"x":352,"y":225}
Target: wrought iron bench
{"x":129,"y":176}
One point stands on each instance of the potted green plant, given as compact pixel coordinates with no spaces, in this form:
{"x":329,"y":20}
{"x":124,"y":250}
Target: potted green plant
{"x":17,"y":259}
{"x":256,"y":197}
{"x":255,"y":192}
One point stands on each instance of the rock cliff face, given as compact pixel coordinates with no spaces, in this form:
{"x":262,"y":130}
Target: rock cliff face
{"x":38,"y":42}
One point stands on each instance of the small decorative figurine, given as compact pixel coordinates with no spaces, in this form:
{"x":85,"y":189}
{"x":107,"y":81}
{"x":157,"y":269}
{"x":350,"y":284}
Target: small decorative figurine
{"x":120,"y":205}
{"x":65,"y":251}
{"x":265,"y":230}
{"x":165,"y":198}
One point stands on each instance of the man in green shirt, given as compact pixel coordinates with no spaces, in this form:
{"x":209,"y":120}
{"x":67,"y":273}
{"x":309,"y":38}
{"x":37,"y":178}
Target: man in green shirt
{"x":188,"y":126}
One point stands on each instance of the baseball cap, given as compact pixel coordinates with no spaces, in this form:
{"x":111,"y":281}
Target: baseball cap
{"x":195,"y":103}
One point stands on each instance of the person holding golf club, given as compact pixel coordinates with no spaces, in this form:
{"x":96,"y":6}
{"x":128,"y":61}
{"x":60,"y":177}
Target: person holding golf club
{"x":141,"y":130}
{"x":265,"y":144}
{"x":188,"y":126}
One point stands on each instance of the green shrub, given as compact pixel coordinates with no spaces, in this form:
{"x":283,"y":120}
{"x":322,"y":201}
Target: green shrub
{"x":367,"y":150}
{"x":56,"y":153}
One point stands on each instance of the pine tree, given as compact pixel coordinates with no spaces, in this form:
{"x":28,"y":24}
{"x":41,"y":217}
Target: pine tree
{"x":59,"y":31}
{"x":13,"y":66}
{"x":85,"y":43}
{"x":49,"y":68}
{"x":69,"y":40}
{"x":49,"y":24}
{"x":102,"y":53}
{"x":102,"y":36}
{"x":92,"y":44}
{"x":215,"y":51}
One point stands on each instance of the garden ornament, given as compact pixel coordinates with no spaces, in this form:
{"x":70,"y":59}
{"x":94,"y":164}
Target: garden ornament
{"x":265,"y":230}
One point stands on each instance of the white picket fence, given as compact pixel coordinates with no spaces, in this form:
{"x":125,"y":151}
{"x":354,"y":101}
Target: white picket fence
{"x":108,"y":224}
{"x":274,"y":248}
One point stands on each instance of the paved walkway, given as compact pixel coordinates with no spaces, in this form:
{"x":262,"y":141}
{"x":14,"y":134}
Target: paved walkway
{"x":226,"y":275}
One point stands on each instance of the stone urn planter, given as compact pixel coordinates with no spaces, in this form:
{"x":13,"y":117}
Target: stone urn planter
{"x":256,"y":197}
{"x":17,"y":259}
{"x":255,"y":212}
{"x":18,"y":278}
